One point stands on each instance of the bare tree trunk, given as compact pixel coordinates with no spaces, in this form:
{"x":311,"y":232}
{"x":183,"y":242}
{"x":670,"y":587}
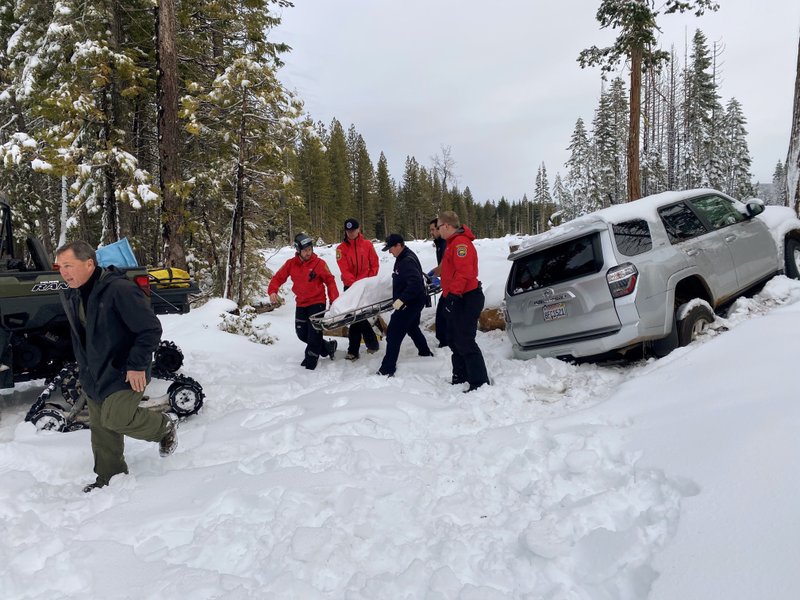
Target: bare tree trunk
{"x":109,"y":219}
{"x":213,"y":245}
{"x":233,"y":246}
{"x":45,"y":230}
{"x":793,"y":158}
{"x":672,"y":136}
{"x":647,"y":109}
{"x":234,"y":280}
{"x":444,"y":163}
{"x":173,"y":214}
{"x":62,"y":226}
{"x":240,"y":264}
{"x":634,"y":175}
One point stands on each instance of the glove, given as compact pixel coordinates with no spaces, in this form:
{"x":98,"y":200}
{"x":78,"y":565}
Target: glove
{"x":430,"y":273}
{"x":397,"y":304}
{"x":436,"y":282}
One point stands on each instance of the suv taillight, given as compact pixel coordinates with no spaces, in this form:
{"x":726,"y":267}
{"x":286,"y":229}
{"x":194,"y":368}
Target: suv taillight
{"x":622,"y":280}
{"x":143,"y":281}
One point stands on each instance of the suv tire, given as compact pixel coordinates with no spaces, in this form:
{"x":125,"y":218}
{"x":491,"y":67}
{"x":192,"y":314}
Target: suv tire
{"x":694,"y":322}
{"x":793,"y":258}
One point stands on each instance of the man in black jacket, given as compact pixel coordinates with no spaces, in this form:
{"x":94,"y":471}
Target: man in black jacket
{"x":409,"y":295}
{"x":114,"y":335}
{"x":439,"y":245}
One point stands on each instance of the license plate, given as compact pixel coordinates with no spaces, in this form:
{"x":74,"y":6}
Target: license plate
{"x":553,"y":312}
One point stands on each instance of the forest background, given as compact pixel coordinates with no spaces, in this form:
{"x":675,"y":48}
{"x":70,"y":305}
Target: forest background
{"x":169,"y":125}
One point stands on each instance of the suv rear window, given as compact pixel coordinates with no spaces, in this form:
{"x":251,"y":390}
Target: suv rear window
{"x":570,"y":260}
{"x":633,"y":237}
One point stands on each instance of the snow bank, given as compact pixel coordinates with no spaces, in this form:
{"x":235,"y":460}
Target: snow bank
{"x":657,"y":479}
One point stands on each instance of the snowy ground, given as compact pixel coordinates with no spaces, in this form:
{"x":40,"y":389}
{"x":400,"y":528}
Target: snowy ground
{"x":665,"y":479}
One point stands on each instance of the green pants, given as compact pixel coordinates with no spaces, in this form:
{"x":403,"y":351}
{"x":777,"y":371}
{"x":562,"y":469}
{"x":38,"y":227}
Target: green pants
{"x":119,"y":415}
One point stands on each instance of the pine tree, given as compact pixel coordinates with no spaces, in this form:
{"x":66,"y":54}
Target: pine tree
{"x":79,"y":134}
{"x":636,"y":20}
{"x":342,"y":204}
{"x":736,"y":159}
{"x":425,"y":207}
{"x":502,"y":220}
{"x":779,"y":194}
{"x":244,"y":121}
{"x":701,"y":105}
{"x":75,"y":70}
{"x":561,"y":199}
{"x":541,"y":199}
{"x":610,"y":132}
{"x":716,"y":148}
{"x":312,"y":175}
{"x":364,"y":186}
{"x":580,"y":179}
{"x":466,"y":206}
{"x":248,"y":117}
{"x":385,"y":200}
{"x":409,"y":198}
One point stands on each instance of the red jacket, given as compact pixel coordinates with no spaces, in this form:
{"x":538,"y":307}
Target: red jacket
{"x":309,"y":289}
{"x":357,"y":259}
{"x":459,"y":264}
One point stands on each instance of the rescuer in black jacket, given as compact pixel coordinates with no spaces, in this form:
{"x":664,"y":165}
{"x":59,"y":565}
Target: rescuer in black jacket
{"x":439,"y":245}
{"x":409,"y":295}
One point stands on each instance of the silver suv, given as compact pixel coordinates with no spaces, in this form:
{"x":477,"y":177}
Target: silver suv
{"x":651,"y":271}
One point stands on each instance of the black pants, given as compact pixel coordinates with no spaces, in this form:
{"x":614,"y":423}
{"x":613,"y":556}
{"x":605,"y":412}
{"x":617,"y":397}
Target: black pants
{"x":354,"y":334}
{"x":315,"y":345}
{"x":403,"y":322}
{"x":441,"y":323}
{"x":462,"y":325}
{"x":7,"y":359}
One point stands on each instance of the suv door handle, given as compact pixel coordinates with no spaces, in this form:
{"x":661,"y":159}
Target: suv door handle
{"x":693,"y":252}
{"x":730,"y":238}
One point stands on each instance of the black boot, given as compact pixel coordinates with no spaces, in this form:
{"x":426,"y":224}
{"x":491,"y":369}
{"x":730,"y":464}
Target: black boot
{"x":475,"y":386}
{"x":169,"y":442}
{"x":92,"y":487}
{"x":331,"y":346}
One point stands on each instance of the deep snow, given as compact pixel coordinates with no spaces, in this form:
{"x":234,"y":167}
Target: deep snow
{"x":675,"y":478}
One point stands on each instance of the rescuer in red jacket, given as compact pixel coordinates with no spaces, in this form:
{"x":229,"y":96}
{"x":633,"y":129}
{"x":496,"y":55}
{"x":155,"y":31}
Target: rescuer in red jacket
{"x":357,"y":260}
{"x":310,"y":278}
{"x":463,"y":301}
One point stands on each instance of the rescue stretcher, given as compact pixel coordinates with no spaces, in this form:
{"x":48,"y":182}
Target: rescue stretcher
{"x":322,"y":323}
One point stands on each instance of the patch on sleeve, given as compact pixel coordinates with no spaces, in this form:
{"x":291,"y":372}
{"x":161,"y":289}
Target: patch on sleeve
{"x":338,"y":254}
{"x":461,"y":250}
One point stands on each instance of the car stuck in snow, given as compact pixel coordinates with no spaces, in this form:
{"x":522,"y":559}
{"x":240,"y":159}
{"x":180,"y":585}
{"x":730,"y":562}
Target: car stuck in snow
{"x":648,"y":272}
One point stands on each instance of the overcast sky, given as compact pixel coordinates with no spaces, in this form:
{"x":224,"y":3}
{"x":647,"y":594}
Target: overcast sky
{"x":499,"y":82}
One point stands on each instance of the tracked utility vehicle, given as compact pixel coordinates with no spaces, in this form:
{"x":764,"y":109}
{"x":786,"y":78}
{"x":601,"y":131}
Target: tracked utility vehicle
{"x":34,"y":333}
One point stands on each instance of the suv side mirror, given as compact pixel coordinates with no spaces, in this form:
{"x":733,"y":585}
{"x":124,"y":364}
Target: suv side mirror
{"x":754,"y":207}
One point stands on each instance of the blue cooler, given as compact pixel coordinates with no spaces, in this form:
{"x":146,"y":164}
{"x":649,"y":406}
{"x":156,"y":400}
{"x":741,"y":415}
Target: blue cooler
{"x":118,"y":254}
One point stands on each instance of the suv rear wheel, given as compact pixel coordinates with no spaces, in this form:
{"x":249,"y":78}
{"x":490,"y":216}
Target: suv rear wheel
{"x":693,"y":322}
